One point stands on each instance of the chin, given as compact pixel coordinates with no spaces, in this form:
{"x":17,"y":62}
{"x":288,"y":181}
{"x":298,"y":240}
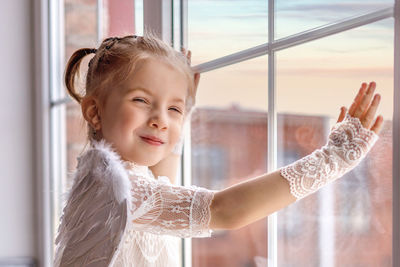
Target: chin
{"x":149,"y":161}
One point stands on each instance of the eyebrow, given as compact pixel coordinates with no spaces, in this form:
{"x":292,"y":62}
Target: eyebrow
{"x":147,"y":91}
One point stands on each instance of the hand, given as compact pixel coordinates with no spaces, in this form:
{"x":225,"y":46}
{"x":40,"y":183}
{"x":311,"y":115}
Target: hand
{"x":177,"y":150}
{"x":197,"y":74}
{"x":362,"y":109}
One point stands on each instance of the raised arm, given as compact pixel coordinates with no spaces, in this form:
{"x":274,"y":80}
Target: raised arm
{"x":249,"y":201}
{"x":349,"y":142}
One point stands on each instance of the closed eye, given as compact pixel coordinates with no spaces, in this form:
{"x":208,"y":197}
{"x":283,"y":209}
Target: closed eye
{"x":140,"y":100}
{"x":143,"y":101}
{"x":177,"y":110}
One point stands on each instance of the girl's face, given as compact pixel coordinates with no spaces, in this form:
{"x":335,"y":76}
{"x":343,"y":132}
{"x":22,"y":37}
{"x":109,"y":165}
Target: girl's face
{"x":150,"y":103}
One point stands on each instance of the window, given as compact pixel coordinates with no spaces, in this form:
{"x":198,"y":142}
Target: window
{"x":274,"y":75}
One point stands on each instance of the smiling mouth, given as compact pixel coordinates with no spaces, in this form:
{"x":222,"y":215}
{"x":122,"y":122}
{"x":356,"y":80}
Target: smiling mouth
{"x":151,"y":141}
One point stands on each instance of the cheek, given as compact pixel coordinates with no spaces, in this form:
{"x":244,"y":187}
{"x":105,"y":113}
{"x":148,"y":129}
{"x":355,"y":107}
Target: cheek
{"x":121,"y":121}
{"x":177,"y":130}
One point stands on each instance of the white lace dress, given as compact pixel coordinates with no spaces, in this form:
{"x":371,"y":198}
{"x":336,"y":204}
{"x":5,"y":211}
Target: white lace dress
{"x":118,"y":214}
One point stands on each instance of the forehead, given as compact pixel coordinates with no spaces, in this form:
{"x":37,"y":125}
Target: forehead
{"x":157,"y":76}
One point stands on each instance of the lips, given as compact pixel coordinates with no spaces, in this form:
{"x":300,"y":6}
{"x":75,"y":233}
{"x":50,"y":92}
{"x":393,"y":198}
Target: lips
{"x":153,"y":138}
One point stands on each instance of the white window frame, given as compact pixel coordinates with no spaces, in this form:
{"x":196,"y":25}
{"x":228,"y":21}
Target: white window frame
{"x":47,"y":48}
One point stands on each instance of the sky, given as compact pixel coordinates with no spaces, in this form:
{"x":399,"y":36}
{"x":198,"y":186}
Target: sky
{"x":315,"y":78}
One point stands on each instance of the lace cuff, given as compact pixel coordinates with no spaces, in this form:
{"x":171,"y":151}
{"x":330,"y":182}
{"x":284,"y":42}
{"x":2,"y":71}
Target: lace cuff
{"x":348,"y":143}
{"x":200,"y":217}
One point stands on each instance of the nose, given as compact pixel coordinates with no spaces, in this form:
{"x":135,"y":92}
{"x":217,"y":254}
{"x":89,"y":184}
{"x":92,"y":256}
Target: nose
{"x":158,"y":120}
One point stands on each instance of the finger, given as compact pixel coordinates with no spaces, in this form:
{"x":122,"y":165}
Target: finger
{"x":189,"y":55}
{"x":196,"y":79}
{"x":362,"y":107}
{"x":378,"y":125}
{"x":368,"y":117}
{"x":342,"y":114}
{"x":357,"y":99}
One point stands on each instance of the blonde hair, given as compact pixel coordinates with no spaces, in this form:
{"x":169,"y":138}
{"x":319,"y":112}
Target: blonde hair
{"x":115,"y":60}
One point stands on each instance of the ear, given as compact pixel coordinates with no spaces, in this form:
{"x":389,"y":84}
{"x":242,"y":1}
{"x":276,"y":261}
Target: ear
{"x":91,"y":111}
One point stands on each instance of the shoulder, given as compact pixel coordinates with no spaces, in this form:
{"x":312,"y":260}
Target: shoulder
{"x":102,"y":163}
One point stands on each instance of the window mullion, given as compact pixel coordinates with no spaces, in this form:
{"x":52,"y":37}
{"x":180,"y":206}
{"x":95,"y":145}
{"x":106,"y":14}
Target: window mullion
{"x":396,"y":139}
{"x":186,"y":156}
{"x":99,"y":24}
{"x":272,"y":134}
{"x":42,"y":145}
{"x":157,"y":18}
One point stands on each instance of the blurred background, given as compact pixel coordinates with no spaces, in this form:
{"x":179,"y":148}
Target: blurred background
{"x":272,"y":84}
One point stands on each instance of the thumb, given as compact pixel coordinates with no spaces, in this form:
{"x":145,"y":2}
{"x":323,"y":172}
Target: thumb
{"x":342,"y":114}
{"x":196,"y":81}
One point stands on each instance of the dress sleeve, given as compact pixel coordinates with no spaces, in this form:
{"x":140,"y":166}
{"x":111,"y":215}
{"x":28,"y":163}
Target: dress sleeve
{"x":162,"y":208}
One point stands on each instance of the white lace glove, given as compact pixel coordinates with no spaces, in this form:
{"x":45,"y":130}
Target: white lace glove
{"x":348,"y":144}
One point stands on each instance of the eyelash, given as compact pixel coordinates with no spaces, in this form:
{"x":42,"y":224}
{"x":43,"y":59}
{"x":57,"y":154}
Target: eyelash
{"x":142,"y":100}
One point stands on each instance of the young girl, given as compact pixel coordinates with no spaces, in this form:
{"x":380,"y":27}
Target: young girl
{"x":122,"y":209}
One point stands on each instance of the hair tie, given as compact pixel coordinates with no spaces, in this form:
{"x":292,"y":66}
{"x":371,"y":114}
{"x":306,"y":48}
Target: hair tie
{"x":113,"y":40}
{"x":93,"y":50}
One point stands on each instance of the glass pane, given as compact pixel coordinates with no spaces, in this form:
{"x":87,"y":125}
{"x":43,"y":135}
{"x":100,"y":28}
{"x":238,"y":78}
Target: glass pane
{"x":80,"y":31}
{"x":119,"y":17}
{"x":76,"y":138}
{"x":229,"y":145}
{"x":348,"y":222}
{"x":80,"y":27}
{"x":220,"y":27}
{"x":293,"y":16}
